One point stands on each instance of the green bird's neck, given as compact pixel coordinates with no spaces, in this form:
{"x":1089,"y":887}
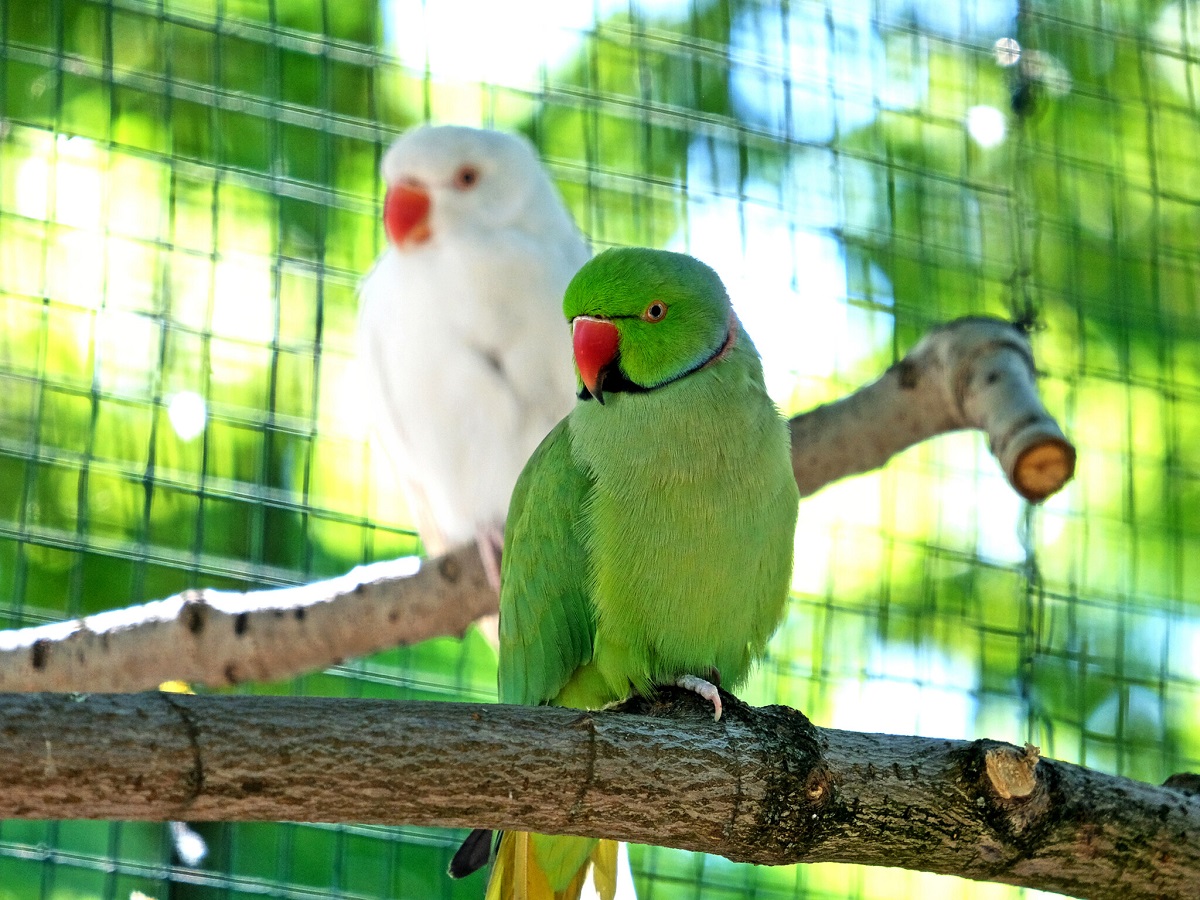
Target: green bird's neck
{"x":720,"y":405}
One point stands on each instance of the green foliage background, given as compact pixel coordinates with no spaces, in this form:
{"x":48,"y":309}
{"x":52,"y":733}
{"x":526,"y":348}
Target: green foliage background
{"x":188,"y":196}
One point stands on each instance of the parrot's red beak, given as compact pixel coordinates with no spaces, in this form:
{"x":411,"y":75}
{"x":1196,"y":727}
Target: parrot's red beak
{"x":595,"y":348}
{"x":406,"y":214}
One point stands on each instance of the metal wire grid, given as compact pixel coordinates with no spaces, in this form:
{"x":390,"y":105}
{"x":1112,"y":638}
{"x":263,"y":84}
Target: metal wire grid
{"x":277,"y":112}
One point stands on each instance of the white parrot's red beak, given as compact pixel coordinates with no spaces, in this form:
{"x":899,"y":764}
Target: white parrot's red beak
{"x":406,"y":214}
{"x":596,"y":346}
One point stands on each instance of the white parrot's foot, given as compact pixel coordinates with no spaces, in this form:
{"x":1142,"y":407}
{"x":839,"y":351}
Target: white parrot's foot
{"x":490,"y":540}
{"x":705,"y":689}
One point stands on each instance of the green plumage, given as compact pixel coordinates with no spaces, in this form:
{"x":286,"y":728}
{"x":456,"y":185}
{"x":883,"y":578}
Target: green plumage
{"x":649,"y":537}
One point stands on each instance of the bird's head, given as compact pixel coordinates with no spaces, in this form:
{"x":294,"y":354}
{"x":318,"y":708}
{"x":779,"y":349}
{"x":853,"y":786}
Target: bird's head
{"x":450,"y":178}
{"x":641,"y":319}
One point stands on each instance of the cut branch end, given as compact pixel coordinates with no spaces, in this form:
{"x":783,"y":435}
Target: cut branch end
{"x":1042,"y":469}
{"x":1012,"y":772}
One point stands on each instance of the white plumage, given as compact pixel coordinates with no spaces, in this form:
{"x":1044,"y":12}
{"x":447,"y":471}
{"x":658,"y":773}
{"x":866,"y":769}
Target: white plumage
{"x":461,"y":337}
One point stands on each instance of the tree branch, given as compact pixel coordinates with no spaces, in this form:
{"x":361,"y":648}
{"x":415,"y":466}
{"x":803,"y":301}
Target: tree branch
{"x":971,"y":373}
{"x":223,"y":637}
{"x":762,"y":786}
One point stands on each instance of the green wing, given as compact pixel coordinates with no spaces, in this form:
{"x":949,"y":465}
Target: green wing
{"x":547,"y":622}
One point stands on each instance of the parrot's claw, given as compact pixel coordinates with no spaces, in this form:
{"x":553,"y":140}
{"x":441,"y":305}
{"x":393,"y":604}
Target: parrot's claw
{"x":705,"y":689}
{"x":490,"y":540}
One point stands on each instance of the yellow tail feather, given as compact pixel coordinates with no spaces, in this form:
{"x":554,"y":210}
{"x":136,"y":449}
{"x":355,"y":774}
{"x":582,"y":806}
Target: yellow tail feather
{"x":604,"y":869}
{"x":517,"y":873}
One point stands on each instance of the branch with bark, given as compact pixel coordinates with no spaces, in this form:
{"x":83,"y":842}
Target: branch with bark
{"x":762,"y":785}
{"x":972,"y":373}
{"x":222,"y":638}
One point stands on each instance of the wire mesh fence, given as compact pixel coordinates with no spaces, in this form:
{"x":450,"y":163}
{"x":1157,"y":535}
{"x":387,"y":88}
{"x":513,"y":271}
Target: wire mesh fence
{"x":189,"y":195}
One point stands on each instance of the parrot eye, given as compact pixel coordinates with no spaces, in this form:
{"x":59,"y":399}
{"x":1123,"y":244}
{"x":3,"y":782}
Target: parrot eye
{"x":466,"y":177}
{"x":655,"y":311}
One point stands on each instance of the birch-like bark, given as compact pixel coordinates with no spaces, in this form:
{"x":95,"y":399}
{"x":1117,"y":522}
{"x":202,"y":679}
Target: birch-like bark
{"x":972,"y":373}
{"x":762,"y":785}
{"x":222,"y":638}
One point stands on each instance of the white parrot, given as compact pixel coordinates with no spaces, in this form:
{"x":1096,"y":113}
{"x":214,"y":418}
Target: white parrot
{"x":466,"y":356}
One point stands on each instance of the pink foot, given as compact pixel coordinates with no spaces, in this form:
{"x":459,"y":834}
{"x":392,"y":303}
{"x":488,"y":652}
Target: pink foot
{"x":705,"y":689}
{"x":490,"y":540}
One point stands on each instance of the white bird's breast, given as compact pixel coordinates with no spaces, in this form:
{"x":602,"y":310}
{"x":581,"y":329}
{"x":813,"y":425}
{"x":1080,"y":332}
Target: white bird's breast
{"x":469,"y":359}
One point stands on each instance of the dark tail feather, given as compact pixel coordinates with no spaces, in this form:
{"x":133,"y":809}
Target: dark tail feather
{"x":473,"y":855}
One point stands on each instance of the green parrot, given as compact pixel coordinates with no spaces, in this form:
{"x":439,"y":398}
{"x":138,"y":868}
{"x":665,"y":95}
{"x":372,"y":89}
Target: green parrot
{"x":649,"y":537}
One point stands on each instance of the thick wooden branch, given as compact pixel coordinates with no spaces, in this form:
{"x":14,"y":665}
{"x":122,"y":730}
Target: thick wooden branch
{"x":762,"y":785}
{"x":972,"y":373}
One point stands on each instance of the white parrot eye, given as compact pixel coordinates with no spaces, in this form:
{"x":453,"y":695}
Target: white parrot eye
{"x":466,"y":177}
{"x":655,"y":311}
